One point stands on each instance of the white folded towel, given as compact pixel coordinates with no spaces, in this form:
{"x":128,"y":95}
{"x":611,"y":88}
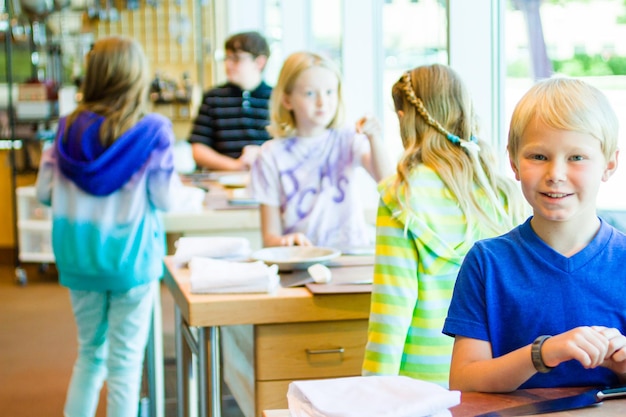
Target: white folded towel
{"x":186,"y":198}
{"x":370,"y":396}
{"x":220,"y":276}
{"x":233,"y":248}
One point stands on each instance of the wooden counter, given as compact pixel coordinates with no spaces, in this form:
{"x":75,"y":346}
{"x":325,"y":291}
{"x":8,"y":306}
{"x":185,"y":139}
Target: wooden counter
{"x":474,"y":403}
{"x":267,"y":340}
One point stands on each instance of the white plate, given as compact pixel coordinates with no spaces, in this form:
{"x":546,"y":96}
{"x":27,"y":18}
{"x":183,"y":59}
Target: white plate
{"x":295,"y":257}
{"x":234,"y":180}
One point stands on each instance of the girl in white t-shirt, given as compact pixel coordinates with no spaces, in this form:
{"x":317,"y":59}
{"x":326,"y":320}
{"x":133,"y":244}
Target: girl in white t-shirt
{"x":304,"y":177}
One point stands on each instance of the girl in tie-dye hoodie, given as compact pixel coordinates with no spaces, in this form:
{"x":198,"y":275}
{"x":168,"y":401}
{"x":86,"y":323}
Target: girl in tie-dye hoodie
{"x":108,"y":174}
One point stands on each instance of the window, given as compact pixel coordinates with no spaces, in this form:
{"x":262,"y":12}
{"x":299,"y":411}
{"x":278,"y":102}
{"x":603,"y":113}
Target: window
{"x":567,"y":42}
{"x":414,"y":33}
{"x":326,"y":29}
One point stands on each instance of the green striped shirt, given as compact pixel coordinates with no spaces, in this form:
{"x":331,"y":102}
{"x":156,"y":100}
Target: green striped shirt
{"x":418,"y":256}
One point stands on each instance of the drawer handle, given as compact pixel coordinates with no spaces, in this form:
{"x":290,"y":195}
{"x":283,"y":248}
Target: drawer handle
{"x":338,"y":350}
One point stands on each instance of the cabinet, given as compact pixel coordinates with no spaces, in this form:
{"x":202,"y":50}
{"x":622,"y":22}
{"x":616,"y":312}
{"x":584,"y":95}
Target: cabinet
{"x":260,"y":361}
{"x":267,"y":340}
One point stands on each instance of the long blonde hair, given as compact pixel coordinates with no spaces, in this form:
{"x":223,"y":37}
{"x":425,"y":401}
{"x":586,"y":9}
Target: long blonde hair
{"x":115,"y":86}
{"x":440,"y":130}
{"x":282,"y":120}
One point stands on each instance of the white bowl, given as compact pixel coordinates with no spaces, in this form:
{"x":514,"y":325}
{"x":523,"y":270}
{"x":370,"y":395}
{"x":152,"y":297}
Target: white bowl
{"x":295,"y":257}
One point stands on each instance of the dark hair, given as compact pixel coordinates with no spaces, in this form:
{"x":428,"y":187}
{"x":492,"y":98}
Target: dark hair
{"x":251,"y":42}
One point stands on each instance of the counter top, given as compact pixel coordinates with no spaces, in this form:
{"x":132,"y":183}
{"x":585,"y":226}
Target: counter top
{"x":205,"y":310}
{"x":474,"y":403}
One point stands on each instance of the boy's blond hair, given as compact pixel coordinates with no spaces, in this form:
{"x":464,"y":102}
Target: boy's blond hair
{"x":565,"y":104}
{"x":116,"y":84}
{"x":282,"y":121}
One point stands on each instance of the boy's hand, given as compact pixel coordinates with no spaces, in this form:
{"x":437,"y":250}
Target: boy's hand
{"x":587,"y":345}
{"x":615,"y":359}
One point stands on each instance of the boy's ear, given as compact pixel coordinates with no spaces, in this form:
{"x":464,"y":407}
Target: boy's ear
{"x":611,"y":166}
{"x":514,"y":168}
{"x":261,"y":61}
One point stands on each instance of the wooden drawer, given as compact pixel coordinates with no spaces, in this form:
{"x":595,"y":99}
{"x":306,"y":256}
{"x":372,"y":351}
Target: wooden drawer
{"x":310,"y":350}
{"x":271,"y":395}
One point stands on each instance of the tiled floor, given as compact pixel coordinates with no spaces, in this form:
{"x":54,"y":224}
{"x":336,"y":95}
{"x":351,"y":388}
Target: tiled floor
{"x":38,"y":347}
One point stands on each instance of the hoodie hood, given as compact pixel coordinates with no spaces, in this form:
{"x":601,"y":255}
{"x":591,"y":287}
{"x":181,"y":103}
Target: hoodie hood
{"x":101,"y":171}
{"x":430,"y":201}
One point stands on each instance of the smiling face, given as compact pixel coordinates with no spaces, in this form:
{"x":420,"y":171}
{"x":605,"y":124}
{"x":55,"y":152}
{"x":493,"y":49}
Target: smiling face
{"x":314,"y":100}
{"x":560,"y":172}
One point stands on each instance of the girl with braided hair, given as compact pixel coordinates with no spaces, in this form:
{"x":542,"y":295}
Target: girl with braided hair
{"x":447,"y":193}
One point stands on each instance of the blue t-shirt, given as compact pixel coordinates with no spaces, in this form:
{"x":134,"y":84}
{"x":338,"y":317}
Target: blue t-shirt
{"x":515,"y":287}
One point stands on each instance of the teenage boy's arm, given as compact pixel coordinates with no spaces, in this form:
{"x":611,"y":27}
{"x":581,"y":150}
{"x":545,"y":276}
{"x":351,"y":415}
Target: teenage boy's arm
{"x":474,"y":369}
{"x":206,"y":157}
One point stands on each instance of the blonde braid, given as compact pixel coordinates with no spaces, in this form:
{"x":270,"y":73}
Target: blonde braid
{"x":407,"y":87}
{"x":470,"y":146}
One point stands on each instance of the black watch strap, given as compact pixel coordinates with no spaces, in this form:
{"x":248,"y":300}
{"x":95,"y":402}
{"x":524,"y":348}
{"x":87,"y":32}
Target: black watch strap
{"x":535,"y":354}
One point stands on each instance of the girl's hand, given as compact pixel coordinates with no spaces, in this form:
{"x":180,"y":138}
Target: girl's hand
{"x":369,"y":126}
{"x":295,"y":239}
{"x":249,"y":154}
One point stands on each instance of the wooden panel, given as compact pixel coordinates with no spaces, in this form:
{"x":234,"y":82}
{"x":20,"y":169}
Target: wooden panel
{"x":310,"y":350}
{"x":272,"y":395}
{"x":276,"y":413}
{"x":238,"y":366}
{"x":7,"y":197}
{"x":166,"y":32}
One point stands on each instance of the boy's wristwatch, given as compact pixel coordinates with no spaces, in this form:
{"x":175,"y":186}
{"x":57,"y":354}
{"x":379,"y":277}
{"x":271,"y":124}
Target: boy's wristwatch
{"x":535,"y":355}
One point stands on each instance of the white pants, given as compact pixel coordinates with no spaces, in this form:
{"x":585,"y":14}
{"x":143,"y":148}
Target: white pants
{"x":113,"y":330}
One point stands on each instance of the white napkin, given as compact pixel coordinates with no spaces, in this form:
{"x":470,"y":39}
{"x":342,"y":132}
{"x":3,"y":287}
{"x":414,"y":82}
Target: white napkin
{"x":186,"y":198}
{"x":211,"y":247}
{"x":370,"y":396}
{"x":220,"y":276}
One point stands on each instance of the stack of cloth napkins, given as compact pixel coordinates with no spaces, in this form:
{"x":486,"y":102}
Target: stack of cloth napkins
{"x":221,"y":276}
{"x":186,"y":198}
{"x":230,"y":248}
{"x":370,"y":396}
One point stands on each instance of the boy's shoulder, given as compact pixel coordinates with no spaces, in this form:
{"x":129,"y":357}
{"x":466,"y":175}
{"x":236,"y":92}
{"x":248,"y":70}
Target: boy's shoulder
{"x":223,"y":90}
{"x":509,"y":240}
{"x":263,"y":90}
{"x":616,"y":218}
{"x":229,"y":89}
{"x":614,"y":229}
